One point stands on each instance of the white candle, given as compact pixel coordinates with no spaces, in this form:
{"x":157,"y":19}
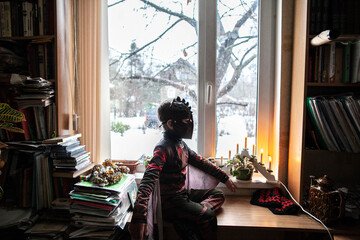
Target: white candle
{"x":237,"y":148}
{"x":261,"y":156}
{"x":245,"y":143}
{"x":221,"y":161}
{"x":229,"y":154}
{"x":269,"y":162}
{"x":253,"y":150}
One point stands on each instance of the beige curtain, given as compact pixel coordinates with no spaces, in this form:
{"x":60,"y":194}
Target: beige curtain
{"x":92,"y":90}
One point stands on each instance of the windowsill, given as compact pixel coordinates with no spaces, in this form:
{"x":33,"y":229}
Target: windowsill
{"x":245,"y":188}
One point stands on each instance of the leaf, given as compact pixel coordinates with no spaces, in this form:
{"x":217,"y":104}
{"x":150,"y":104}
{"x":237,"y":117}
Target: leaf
{"x":9,"y":114}
{"x":10,"y":127}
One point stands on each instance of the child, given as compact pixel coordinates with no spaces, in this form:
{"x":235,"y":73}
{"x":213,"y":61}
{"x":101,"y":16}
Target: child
{"x":190,"y":211}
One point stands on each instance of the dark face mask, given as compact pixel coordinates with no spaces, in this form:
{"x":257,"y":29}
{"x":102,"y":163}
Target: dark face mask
{"x":184,"y":130}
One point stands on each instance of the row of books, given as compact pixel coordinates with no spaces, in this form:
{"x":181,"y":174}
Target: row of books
{"x":26,"y":18}
{"x":340,"y":15}
{"x":334,"y":123}
{"x":335,"y":63}
{"x":26,"y":178}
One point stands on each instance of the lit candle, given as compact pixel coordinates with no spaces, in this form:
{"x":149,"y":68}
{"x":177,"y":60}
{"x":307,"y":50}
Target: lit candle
{"x":269,"y":162}
{"x":245,"y":143}
{"x":261,"y":156}
{"x":221,"y":160}
{"x":253,"y":150}
{"x":237,"y":148}
{"x":229,"y":154}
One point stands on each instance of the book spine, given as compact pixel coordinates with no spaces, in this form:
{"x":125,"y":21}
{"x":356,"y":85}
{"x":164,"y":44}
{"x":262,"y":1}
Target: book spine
{"x":7,"y":21}
{"x":332,"y":59}
{"x":355,"y":63}
{"x":346,"y":64}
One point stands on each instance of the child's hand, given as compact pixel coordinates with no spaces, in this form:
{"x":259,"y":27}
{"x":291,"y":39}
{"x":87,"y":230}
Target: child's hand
{"x":231,"y":185}
{"x":137,"y":230}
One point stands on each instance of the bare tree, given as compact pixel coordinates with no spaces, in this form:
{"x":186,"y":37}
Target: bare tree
{"x":226,"y":57}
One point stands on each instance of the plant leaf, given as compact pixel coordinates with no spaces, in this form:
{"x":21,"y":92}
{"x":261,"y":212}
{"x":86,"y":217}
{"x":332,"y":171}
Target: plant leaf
{"x":10,"y":127}
{"x":9,"y":114}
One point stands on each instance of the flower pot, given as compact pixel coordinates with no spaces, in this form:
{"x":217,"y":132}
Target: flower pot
{"x":243,"y":174}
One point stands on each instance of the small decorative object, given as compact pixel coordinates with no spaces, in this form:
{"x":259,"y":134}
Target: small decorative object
{"x":107,"y":173}
{"x":131,"y":164}
{"x":325,"y":203}
{"x":241,"y":167}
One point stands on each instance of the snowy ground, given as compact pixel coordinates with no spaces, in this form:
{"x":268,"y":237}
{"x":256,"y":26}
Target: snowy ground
{"x":138,"y":141}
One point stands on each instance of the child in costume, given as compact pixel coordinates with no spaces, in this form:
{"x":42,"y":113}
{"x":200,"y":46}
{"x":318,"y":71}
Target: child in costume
{"x":190,"y":211}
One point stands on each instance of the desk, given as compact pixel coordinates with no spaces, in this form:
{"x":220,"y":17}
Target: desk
{"x":237,"y":212}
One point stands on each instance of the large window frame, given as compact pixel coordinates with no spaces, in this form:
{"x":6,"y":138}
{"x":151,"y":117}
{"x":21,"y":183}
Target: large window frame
{"x":206,"y":84}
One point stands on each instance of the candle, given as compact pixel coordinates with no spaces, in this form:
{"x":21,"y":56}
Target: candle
{"x":229,"y":154}
{"x":261,"y":156}
{"x":245,"y":143}
{"x":253,"y":150}
{"x":221,"y":160}
{"x":237,"y":148}
{"x":269,"y":162}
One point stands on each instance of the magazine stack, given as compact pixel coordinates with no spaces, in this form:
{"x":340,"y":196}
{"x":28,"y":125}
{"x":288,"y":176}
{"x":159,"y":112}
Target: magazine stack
{"x":102,"y":200}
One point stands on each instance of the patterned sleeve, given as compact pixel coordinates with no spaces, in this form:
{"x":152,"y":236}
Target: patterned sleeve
{"x":147,"y":185}
{"x":198,"y":161}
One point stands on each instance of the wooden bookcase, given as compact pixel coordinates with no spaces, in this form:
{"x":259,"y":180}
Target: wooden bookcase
{"x":54,"y":34}
{"x":342,"y":167}
{"x":58,"y":34}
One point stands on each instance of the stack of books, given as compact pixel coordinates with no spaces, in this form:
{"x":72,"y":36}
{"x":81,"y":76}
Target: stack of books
{"x":103,"y":206}
{"x":35,"y":92}
{"x":67,"y":154}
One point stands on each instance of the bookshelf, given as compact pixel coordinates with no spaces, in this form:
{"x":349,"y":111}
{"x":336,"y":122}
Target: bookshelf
{"x":42,"y":42}
{"x":305,"y":158}
{"x":40,"y":34}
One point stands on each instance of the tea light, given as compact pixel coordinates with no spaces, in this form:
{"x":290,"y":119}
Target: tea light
{"x":237,"y":148}
{"x":253,"y":150}
{"x":269,"y":162}
{"x":245,"y":143}
{"x":261,"y":156}
{"x":229,"y":154}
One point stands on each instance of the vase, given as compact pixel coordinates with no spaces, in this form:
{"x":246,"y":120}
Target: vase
{"x":244,"y":174}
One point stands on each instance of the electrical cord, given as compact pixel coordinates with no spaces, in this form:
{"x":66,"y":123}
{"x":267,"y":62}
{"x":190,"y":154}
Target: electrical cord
{"x":318,"y":220}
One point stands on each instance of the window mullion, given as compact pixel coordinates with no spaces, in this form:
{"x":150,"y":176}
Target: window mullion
{"x":207,"y":74}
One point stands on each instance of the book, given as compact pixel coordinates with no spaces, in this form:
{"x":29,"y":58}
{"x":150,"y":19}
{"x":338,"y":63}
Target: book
{"x":62,"y":139}
{"x":346,"y":64}
{"x":67,"y":146}
{"x":73,"y":160}
{"x":73,"y":152}
{"x":355,"y":63}
{"x":79,"y":166}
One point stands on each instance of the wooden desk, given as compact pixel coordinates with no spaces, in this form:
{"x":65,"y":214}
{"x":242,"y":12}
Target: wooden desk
{"x":237,"y":212}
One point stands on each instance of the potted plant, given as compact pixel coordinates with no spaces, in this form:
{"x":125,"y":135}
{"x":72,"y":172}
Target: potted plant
{"x":8,"y":116}
{"x":241,"y":167}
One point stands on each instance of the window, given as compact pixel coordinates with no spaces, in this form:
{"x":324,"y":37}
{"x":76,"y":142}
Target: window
{"x":204,"y":51}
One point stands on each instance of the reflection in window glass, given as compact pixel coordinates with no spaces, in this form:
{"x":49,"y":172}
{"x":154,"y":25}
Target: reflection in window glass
{"x":153,"y":53}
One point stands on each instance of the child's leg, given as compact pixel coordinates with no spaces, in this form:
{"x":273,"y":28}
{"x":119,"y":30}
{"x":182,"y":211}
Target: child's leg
{"x":194,"y":212}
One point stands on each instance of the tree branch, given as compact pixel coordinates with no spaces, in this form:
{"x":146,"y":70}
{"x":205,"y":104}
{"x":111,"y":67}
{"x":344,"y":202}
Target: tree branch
{"x":115,"y":3}
{"x":153,"y":41}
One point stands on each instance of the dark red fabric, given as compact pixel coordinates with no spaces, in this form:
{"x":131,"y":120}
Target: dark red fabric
{"x":275,"y":201}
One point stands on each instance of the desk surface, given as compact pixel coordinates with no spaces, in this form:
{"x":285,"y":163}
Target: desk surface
{"x":238,"y":212}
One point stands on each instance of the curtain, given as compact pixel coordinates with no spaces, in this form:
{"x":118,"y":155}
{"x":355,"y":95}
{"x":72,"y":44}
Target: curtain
{"x":92,"y":77}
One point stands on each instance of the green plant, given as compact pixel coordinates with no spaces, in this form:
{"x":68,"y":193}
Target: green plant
{"x":119,"y":127}
{"x":238,"y":164}
{"x":9,"y":116}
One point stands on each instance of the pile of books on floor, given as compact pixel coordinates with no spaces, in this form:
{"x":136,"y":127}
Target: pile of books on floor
{"x":102,"y":210}
{"x":67,"y":154}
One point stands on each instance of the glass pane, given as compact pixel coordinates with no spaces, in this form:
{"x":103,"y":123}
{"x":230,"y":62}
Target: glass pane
{"x":236,"y":75}
{"x":152,"y":57}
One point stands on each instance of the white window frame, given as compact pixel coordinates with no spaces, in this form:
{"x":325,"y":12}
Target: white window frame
{"x":207,"y":66}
